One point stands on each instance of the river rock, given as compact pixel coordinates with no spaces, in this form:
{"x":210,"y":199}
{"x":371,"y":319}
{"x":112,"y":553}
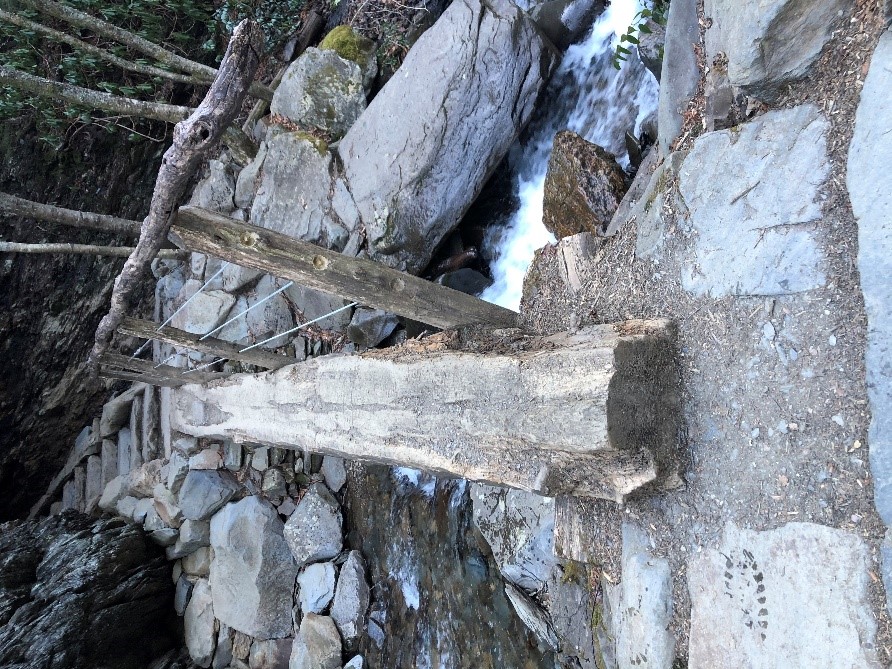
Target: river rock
{"x":313,"y":531}
{"x":314,"y":304}
{"x":355,"y":662}
{"x":165,"y":504}
{"x":465,"y":280}
{"x":261,"y":322}
{"x":68,"y":595}
{"x":583,"y":186}
{"x":198,"y":563}
{"x":870,"y":190}
{"x":193,"y":535}
{"x":680,"y":74}
{"x":641,"y":605}
{"x":519,"y":528}
{"x":204,"y":492}
{"x":773,"y":43}
{"x":460,"y":109}
{"x":116,"y":412}
{"x":198,"y":623}
{"x":351,"y":600}
{"x":317,"y":644}
{"x":252,"y":572}
{"x":533,"y":616}
{"x":271,"y":654}
{"x":799,"y":592}
{"x":321,"y":90}
{"x":369,"y":327}
{"x":753,"y":230}
{"x":564,"y":21}
{"x":651,"y":47}
{"x":317,"y":587}
{"x":334,"y":472}
{"x":207,"y":310}
{"x":215,"y":190}
{"x":223,"y":654}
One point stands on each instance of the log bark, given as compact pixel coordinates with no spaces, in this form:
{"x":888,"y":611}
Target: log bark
{"x":595,"y":413}
{"x":356,"y":279}
{"x":86,"y":249}
{"x":98,"y":26}
{"x":135,"y":369}
{"x":17,"y":206}
{"x":193,"y":140}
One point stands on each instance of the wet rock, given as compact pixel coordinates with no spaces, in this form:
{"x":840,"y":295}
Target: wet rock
{"x":465,"y":280}
{"x":651,"y":47}
{"x":583,"y":186}
{"x":252,"y":572}
{"x":564,"y":21}
{"x":532,"y":615}
{"x":207,"y":310}
{"x":519,"y":528}
{"x":773,"y":43}
{"x":313,"y":531}
{"x":641,"y":605}
{"x":334,"y":472}
{"x":293,"y":195}
{"x":412,"y":181}
{"x":198,"y":623}
{"x":215,"y":191}
{"x":272,"y":654}
{"x":351,"y":46}
{"x":680,"y":74}
{"x":799,"y":592}
{"x":870,"y":190}
{"x":204,"y":492}
{"x":317,"y":587}
{"x":317,"y":644}
{"x":351,"y":600}
{"x":369,"y":327}
{"x":321,"y":90}
{"x":752,"y":233}
{"x":66,"y":595}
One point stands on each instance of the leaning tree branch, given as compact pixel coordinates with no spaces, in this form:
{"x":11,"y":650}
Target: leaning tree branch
{"x":87,"y":249}
{"x":16,"y":206}
{"x":193,"y":140}
{"x":98,"y":26}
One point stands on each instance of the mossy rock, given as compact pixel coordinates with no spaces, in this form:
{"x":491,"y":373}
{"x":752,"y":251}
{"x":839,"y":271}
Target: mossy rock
{"x":349,"y":45}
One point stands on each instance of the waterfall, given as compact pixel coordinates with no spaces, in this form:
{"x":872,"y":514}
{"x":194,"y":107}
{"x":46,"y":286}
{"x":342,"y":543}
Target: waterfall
{"x":593,"y":99}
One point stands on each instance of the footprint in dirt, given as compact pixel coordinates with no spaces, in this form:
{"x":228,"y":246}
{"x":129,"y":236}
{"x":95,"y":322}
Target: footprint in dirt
{"x":744,"y":584}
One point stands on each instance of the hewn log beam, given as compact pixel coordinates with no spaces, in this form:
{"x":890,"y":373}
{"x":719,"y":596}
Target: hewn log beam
{"x":593,"y":413}
{"x":355,"y":279}
{"x":85,"y":249}
{"x":114,"y":365}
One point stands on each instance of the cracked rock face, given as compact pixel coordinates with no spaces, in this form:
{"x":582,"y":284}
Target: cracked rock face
{"x":464,"y":92}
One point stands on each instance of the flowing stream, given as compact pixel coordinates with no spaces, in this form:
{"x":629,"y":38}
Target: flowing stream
{"x":593,"y":99}
{"x":438,"y":600}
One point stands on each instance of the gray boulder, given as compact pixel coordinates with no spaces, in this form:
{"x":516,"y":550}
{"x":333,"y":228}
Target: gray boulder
{"x":799,"y":592}
{"x":564,"y":21}
{"x":314,"y":304}
{"x":261,"y":322}
{"x":198,"y":624}
{"x":870,"y":190}
{"x":755,"y":233}
{"x":317,"y":644}
{"x":271,"y":654}
{"x":207,"y":310}
{"x":317,"y":587}
{"x":369,"y":327}
{"x":215,"y":190}
{"x":334,"y":472}
{"x":680,"y":74}
{"x":651,"y":46}
{"x":351,"y":600}
{"x":350,"y":45}
{"x":770,"y":44}
{"x":193,"y":535}
{"x":460,"y":109}
{"x":321,"y":90}
{"x":204,"y":492}
{"x":313,"y":531}
{"x":533,"y":616}
{"x":252,"y":571}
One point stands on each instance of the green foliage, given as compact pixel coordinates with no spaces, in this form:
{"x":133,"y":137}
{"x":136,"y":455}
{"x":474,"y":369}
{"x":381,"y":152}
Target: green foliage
{"x":278,"y":18}
{"x":657,"y":13}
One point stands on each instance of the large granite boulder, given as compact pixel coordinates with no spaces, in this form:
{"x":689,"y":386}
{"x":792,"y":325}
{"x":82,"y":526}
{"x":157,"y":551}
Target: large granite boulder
{"x":204,"y":492}
{"x":773,"y":42}
{"x":583,"y":187}
{"x":465,"y":90}
{"x":317,"y":644}
{"x":252,"y":573}
{"x":313,"y":531}
{"x":870,"y":189}
{"x":75,"y":592}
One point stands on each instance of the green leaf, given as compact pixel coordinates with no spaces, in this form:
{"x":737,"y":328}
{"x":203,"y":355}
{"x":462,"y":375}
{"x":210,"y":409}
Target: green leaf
{"x":622,"y":49}
{"x":633,"y":40}
{"x":644,"y":29}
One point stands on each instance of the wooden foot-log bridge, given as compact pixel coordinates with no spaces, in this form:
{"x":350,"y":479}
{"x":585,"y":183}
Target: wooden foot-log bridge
{"x":592,"y":413}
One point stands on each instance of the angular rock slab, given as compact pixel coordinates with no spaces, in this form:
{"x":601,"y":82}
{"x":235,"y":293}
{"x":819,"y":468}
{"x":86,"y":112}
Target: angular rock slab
{"x":464,"y":92}
{"x":313,"y":531}
{"x":870,"y":189}
{"x":352,"y":597}
{"x":204,"y":492}
{"x":317,"y":587}
{"x":252,"y":572}
{"x":752,"y":197}
{"x":794,"y":597}
{"x":772,"y":42}
{"x":680,"y":74}
{"x":317,"y":644}
{"x":201,"y":638}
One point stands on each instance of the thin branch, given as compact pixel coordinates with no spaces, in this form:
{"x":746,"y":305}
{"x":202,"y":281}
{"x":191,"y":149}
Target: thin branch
{"x":104,"y":54}
{"x":193,"y":140}
{"x":98,"y":26}
{"x":17,"y":206}
{"x":86,"y":249}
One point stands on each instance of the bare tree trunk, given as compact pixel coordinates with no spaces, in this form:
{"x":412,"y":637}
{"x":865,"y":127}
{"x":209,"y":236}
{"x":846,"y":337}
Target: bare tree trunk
{"x":78,"y":219}
{"x":125,"y":37}
{"x":192,"y":141}
{"x":104,"y":54}
{"x":86,"y":249}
